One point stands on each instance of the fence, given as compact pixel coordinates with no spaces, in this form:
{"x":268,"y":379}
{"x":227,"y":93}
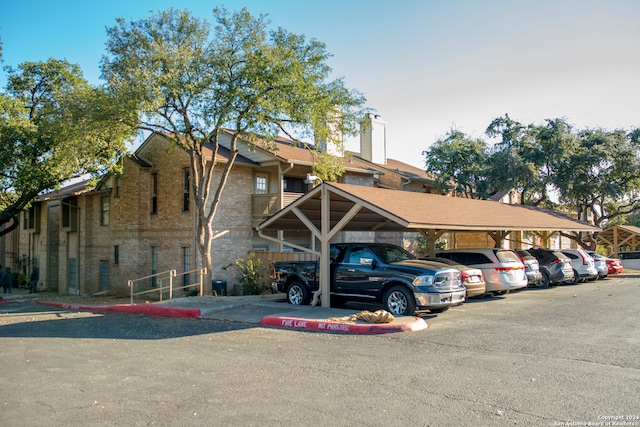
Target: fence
{"x":166,"y":276}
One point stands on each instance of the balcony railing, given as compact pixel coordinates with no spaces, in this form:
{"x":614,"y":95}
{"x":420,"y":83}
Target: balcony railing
{"x":265,"y":205}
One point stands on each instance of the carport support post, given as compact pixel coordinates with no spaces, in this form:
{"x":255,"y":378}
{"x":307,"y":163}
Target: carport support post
{"x":431,"y":235}
{"x":325,"y":288}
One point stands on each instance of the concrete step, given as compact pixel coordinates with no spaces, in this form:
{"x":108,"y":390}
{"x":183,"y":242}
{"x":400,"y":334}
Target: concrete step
{"x":18,"y":298}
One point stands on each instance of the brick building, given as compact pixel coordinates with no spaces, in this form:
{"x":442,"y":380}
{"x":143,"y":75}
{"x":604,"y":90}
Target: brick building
{"x":88,"y":239}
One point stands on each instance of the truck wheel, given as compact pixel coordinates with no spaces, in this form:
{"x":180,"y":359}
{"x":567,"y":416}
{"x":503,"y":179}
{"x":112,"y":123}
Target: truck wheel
{"x":399,"y":301}
{"x":298,"y":294}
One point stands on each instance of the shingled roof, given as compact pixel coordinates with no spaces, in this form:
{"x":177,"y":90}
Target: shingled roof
{"x":394,"y":210}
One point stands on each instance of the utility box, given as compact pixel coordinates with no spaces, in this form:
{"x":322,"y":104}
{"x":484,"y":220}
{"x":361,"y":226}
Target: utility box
{"x":219,"y":287}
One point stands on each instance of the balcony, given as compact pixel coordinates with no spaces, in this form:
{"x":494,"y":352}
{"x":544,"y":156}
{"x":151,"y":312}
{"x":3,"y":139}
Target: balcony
{"x":265,"y":205}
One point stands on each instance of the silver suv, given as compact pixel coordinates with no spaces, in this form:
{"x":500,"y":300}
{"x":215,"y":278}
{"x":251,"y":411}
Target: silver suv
{"x":503,"y":270}
{"x":584,"y":268}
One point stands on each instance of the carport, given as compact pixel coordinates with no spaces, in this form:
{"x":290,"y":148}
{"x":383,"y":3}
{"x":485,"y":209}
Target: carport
{"x":620,"y":236}
{"x":331,"y":208}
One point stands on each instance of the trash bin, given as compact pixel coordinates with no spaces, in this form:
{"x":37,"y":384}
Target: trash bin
{"x":218,"y":287}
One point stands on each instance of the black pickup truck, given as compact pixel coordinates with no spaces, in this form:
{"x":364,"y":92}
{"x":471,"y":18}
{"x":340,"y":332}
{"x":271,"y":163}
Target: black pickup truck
{"x":377,"y":273}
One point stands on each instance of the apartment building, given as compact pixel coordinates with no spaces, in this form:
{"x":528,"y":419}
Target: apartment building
{"x":92,"y":238}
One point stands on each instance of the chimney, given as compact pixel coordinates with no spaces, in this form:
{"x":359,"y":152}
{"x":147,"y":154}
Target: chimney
{"x":373,"y":140}
{"x":334,"y":142}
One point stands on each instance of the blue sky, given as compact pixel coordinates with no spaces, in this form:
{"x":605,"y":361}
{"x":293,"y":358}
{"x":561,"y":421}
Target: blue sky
{"x":424,"y":65}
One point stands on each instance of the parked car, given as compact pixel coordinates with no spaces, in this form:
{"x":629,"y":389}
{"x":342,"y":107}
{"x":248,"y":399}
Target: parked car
{"x":531,"y":268}
{"x":583,"y":266}
{"x":614,"y":265}
{"x":502,"y":268}
{"x":472,"y":278}
{"x":600,"y":263}
{"x":376,"y":273}
{"x":554,"y":265}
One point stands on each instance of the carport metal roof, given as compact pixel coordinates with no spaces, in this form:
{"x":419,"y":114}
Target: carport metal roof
{"x":331,"y":208}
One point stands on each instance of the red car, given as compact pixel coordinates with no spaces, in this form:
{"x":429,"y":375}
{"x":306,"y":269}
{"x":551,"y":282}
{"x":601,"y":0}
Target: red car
{"x":614,"y":266}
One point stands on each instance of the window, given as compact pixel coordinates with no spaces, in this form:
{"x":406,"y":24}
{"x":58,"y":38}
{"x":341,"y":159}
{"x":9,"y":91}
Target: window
{"x":293,"y":185}
{"x":104,"y":211}
{"x":154,"y":266}
{"x":32,"y":217}
{"x":154,"y":193}
{"x":70,"y":213}
{"x":261,"y":184}
{"x":104,"y":275}
{"x":116,"y":193}
{"x":185,"y":194}
{"x":116,"y":255}
{"x":361,"y":256}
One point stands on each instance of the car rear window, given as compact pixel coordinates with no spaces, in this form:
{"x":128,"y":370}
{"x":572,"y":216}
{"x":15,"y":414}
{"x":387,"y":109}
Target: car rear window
{"x":507,"y":256}
{"x":560,"y":255}
{"x":474,"y":258}
{"x":526,"y":255}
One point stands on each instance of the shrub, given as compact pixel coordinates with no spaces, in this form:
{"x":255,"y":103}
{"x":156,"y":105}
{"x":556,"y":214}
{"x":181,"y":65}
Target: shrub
{"x":250,"y":275}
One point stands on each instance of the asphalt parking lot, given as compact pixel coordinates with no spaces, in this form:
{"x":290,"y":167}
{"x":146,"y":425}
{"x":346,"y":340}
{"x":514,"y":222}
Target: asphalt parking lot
{"x":562,"y":356}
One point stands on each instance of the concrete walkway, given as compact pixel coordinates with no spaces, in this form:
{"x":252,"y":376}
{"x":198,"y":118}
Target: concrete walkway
{"x":265,"y":310}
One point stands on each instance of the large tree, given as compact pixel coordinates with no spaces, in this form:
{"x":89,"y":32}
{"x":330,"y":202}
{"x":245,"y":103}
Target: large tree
{"x":594,"y":173}
{"x":515,"y":160}
{"x":598,"y":175}
{"x":460,"y":162}
{"x":54,"y":126}
{"x":194,"y":81}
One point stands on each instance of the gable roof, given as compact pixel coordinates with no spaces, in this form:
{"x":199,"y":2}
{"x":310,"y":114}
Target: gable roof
{"x":69,"y":190}
{"x":395,"y":210}
{"x":620,"y":236}
{"x":224,"y":154}
{"x":403,"y":169}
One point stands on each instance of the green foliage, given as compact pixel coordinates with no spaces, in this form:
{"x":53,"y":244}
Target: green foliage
{"x":422,"y":246}
{"x":250,"y":275}
{"x":197,"y":83}
{"x":594,"y":173}
{"x":54,"y":126}
{"x":327,"y":167}
{"x":459,"y":162}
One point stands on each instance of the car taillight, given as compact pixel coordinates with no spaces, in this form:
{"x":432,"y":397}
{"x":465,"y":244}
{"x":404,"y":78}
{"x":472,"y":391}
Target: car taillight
{"x":584,"y":260}
{"x":464,"y":276}
{"x":505,"y":269}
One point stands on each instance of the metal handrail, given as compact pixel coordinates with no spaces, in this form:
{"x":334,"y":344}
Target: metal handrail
{"x":170,"y":287}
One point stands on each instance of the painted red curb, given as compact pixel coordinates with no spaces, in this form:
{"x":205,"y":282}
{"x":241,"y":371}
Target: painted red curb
{"x":147,"y":309}
{"x":417,"y":324}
